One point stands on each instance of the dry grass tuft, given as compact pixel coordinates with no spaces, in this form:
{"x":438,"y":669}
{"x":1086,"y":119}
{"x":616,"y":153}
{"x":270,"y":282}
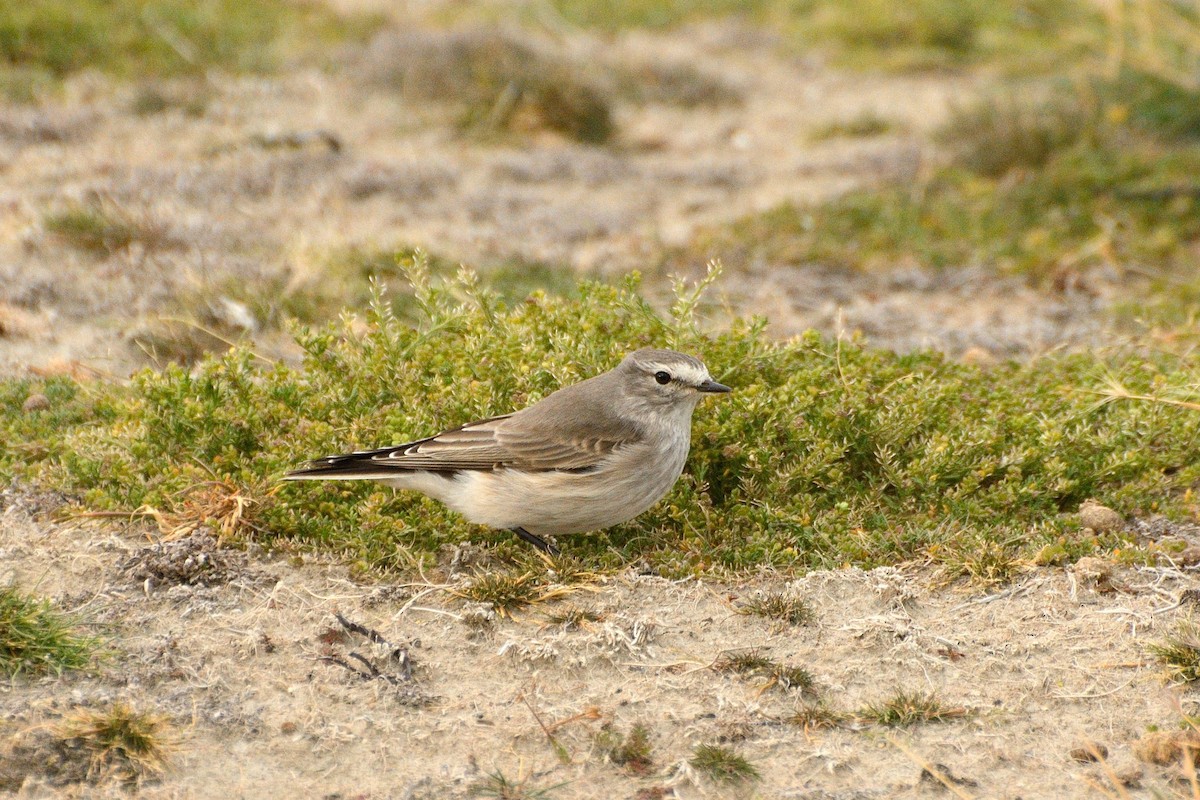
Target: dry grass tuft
{"x":220,"y":506}
{"x":102,"y":227}
{"x":815,"y":716}
{"x":780,"y":606}
{"x":120,"y":742}
{"x":504,"y":591}
{"x":752,"y":663}
{"x":36,"y":639}
{"x":909,"y":708}
{"x":985,"y":562}
{"x":1167,"y":747}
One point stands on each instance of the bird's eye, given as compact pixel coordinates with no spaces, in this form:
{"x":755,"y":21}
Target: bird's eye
{"x":662,"y":377}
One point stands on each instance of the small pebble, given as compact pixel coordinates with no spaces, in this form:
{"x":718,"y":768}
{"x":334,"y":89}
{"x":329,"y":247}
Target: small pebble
{"x":1100,"y":519}
{"x":1089,"y":751}
{"x":35,"y":402}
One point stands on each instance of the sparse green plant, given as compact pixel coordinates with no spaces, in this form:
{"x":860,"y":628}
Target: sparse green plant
{"x":104,"y":227}
{"x":35,"y":639}
{"x":906,"y":708}
{"x":862,"y":126}
{"x":1180,"y":651}
{"x":1018,"y":128}
{"x":572,"y":617}
{"x":500,"y":81}
{"x":753,"y":663}
{"x":166,"y":37}
{"x":121,"y":742}
{"x":500,"y":787}
{"x":632,"y":751}
{"x":505,"y":592}
{"x":782,"y":606}
{"x":722,"y":764}
{"x":744,"y":662}
{"x":986,"y":562}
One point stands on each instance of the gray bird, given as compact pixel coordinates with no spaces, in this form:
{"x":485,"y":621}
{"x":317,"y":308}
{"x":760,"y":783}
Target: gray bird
{"x":589,"y":456}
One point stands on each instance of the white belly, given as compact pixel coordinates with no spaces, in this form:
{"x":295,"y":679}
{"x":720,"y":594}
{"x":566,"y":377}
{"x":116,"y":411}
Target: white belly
{"x":557,"y":503}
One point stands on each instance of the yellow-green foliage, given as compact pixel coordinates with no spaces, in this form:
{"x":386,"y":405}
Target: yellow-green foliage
{"x":826,"y":452}
{"x":36,"y":639}
{"x":1037,"y":182}
{"x":916,"y":34}
{"x":163,"y":37}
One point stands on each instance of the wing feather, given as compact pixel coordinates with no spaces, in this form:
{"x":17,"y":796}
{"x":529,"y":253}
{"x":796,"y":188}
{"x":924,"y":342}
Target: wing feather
{"x":562,"y":432}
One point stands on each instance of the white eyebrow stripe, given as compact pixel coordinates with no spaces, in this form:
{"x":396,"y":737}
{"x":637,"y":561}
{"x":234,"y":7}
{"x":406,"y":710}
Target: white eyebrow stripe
{"x":685,"y":373}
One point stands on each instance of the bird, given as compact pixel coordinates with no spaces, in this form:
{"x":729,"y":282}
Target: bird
{"x":586,"y":457}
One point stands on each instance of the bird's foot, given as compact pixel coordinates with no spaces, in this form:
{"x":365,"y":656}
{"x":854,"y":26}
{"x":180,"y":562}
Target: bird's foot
{"x":537,"y":541}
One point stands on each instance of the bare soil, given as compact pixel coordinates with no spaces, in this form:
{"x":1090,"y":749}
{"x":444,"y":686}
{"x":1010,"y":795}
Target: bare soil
{"x":242,"y":656}
{"x":248,"y":188}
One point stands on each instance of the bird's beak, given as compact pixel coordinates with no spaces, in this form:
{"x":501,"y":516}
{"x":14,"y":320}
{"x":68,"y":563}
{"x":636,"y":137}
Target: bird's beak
{"x":711,"y":386}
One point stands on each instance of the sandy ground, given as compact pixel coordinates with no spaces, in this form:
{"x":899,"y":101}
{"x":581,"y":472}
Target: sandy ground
{"x":1041,"y":668}
{"x":227,"y":208}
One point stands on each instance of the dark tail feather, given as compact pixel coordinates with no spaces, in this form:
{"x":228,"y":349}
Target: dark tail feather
{"x":349,"y":467}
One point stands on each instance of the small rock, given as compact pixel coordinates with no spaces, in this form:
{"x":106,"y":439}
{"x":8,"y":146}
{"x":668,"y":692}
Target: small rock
{"x":1126,"y":770}
{"x":1101,"y":519}
{"x":1089,"y":751}
{"x":35,"y":402}
{"x":1095,"y":571}
{"x":1188,"y":556}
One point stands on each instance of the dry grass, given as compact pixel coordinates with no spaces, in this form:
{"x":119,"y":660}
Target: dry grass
{"x":817,"y":716}
{"x":906,"y":708}
{"x":778,"y":605}
{"x":509,"y":591}
{"x":120,"y":741}
{"x":103,"y":227}
{"x":752,"y":663}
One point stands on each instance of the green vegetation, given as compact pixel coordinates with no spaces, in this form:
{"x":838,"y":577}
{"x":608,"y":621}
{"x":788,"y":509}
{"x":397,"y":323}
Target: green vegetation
{"x":344,"y":281}
{"x":916,"y":35}
{"x":864,"y":125}
{"x":722,"y":764}
{"x":752,"y":663}
{"x":1037,"y":183}
{"x":164,"y":37}
{"x":817,"y":715}
{"x":35,"y":639}
{"x":500,"y":787}
{"x":632,"y":751}
{"x":33,"y":431}
{"x":104,"y":228}
{"x":500,"y":83}
{"x":827,"y":453}
{"x":1180,"y":652}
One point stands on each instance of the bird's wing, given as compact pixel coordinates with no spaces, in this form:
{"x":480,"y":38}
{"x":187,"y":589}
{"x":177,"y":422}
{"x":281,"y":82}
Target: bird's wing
{"x":518,"y":441}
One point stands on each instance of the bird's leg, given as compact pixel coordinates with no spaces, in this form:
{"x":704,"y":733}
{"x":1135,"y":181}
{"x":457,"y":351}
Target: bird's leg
{"x":536,"y":541}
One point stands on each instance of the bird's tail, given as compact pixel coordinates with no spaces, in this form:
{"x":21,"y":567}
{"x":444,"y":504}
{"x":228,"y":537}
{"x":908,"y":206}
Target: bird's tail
{"x":349,"y":467}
